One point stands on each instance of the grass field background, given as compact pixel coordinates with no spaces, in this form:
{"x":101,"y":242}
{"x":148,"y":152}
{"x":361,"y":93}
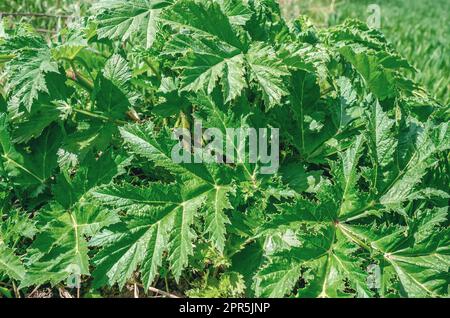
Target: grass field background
{"x":419,"y":30}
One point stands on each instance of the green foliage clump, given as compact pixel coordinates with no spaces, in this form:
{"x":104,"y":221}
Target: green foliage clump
{"x":358,"y":208}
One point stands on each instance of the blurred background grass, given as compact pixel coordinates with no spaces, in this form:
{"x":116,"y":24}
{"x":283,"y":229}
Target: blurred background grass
{"x":418,"y":29}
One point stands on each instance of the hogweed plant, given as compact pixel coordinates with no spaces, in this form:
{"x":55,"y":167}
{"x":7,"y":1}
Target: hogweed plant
{"x":92,"y":197}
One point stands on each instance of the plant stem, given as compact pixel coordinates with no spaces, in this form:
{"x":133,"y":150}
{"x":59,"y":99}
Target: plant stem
{"x":98,"y":116}
{"x":6,"y":57}
{"x":158,"y":291}
{"x":153,"y":68}
{"x":78,"y":78}
{"x":16,"y":291}
{"x":32,"y":14}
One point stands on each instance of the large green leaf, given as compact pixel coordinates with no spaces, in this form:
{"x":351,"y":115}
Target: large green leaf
{"x":60,"y":250}
{"x":118,"y":19}
{"x":10,"y":264}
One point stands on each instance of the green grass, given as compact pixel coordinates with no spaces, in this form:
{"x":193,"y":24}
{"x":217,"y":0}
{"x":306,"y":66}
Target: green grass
{"x":418,"y":29}
{"x":53,"y":8}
